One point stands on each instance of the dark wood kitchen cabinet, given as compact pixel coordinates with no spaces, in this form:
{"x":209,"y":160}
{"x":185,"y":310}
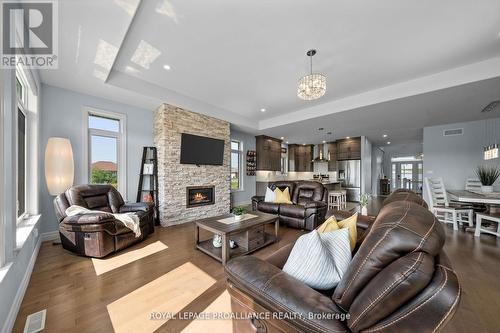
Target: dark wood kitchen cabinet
{"x":268,"y":153}
{"x":300,"y":158}
{"x":349,"y":149}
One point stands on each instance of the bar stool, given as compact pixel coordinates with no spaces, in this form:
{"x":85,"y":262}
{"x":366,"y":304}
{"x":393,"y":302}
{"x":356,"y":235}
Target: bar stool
{"x":334,"y":199}
{"x":343,"y":198}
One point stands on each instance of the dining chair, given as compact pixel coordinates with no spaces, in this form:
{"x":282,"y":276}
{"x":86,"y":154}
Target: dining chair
{"x":473,"y":185}
{"x":445,"y":211}
{"x":480,"y":228}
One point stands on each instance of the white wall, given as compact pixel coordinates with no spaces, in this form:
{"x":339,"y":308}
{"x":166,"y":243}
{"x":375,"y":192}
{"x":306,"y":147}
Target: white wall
{"x":245,"y":196}
{"x":455,"y":157}
{"x":63,"y":116}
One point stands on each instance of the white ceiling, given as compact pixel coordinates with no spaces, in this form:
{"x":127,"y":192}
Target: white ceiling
{"x":231,"y":58}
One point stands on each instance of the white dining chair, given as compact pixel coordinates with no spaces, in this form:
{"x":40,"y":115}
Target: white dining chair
{"x":490,"y":218}
{"x":441,"y":207}
{"x":473,"y":185}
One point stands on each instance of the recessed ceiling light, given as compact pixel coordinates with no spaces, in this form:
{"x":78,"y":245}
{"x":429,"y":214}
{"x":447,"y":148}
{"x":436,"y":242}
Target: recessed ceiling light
{"x":263,"y":110}
{"x":287,"y":142}
{"x":388,"y":142}
{"x":166,"y":67}
{"x":303,"y":144}
{"x":282,"y":138}
{"x":384,"y":136}
{"x":324,"y":141}
{"x":347,"y":137}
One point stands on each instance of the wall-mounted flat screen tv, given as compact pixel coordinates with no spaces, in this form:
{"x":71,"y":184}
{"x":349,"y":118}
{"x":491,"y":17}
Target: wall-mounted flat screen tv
{"x":201,"y":150}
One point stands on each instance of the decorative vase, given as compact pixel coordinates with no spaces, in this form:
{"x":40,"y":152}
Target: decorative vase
{"x":364,"y":210}
{"x":486,"y":189}
{"x":217,"y":241}
{"x":238,"y":217}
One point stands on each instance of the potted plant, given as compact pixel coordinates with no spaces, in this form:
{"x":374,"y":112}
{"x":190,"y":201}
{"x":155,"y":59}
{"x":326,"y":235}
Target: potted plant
{"x":238,"y":213}
{"x":487,"y":176}
{"x":363,"y":202}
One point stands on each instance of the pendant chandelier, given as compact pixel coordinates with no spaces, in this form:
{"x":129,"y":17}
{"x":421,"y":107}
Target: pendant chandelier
{"x":490,"y":151}
{"x":312,"y":86}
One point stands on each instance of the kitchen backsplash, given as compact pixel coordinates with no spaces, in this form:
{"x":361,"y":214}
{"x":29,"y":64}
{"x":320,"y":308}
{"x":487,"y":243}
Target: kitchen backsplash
{"x":271,"y":176}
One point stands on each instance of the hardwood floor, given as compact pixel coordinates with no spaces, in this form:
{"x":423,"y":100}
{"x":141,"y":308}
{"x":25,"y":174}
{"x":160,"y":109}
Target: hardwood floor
{"x":166,"y":273}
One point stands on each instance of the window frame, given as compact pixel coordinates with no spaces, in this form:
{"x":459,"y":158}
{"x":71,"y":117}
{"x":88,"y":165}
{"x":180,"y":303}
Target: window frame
{"x":121,"y":138}
{"x":240,"y":164}
{"x":22,"y":106}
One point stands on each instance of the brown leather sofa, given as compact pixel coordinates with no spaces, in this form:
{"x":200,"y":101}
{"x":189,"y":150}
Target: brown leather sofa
{"x":308,"y":208}
{"x":97,"y":235}
{"x":399,"y":280}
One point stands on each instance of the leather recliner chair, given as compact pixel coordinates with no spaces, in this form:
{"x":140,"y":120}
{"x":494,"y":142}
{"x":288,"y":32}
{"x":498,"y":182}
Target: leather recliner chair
{"x":399,"y":280}
{"x":308,"y":207}
{"x":99,"y":234}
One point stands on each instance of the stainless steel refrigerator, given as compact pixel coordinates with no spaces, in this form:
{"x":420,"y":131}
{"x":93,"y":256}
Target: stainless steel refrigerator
{"x":349,"y":174}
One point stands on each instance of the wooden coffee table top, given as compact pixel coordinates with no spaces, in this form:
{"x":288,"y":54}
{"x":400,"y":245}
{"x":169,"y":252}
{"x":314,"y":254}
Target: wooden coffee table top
{"x":212,"y":224}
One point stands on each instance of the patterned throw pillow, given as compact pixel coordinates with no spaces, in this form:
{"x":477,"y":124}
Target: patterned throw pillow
{"x":320,"y":259}
{"x":350,"y":223}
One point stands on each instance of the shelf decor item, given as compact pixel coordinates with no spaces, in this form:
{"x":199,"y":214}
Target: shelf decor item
{"x":147,"y":190}
{"x":487,"y":176}
{"x":251,"y":162}
{"x":238,"y":213}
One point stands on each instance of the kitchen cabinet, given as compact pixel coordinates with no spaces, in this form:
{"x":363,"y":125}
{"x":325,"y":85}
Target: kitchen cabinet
{"x":300,"y":158}
{"x":349,"y":149}
{"x":268,"y":153}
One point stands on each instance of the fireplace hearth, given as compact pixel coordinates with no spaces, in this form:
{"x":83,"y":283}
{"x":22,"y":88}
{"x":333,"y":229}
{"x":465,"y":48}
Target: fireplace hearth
{"x":199,"y":196}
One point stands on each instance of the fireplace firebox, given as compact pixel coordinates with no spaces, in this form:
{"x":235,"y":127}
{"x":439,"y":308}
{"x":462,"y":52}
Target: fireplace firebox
{"x":200,"y":196}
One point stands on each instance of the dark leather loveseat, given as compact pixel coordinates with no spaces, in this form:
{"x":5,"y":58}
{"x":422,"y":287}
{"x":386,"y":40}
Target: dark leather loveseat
{"x":308,"y":208}
{"x":99,"y":234}
{"x":399,"y":280}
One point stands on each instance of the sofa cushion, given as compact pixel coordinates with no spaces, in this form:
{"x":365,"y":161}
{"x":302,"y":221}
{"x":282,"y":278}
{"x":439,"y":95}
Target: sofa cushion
{"x":282,"y":185}
{"x":320,"y":259}
{"x":401,"y":228}
{"x":268,"y":207}
{"x":405,"y":195}
{"x":282,"y":196}
{"x":270,"y":195}
{"x":306,"y":191}
{"x":291,"y":210}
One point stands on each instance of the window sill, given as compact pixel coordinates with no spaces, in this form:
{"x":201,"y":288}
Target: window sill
{"x":24,"y":229}
{"x":240,"y":190}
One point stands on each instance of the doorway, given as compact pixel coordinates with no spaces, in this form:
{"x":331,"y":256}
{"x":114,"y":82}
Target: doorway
{"x":407,"y":173}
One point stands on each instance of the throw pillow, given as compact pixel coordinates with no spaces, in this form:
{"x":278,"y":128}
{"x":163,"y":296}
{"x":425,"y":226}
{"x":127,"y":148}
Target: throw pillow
{"x":270,"y":196}
{"x":350,"y":223}
{"x":282,"y":196}
{"x":320,"y":260}
{"x":329,"y":225}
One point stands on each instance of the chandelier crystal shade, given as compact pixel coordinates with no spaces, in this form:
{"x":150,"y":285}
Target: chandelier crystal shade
{"x":312,"y":86}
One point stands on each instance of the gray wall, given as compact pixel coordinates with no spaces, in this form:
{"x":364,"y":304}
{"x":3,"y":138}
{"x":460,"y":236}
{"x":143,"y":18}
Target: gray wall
{"x":63,"y":116}
{"x":454,"y":158}
{"x":245,"y":196}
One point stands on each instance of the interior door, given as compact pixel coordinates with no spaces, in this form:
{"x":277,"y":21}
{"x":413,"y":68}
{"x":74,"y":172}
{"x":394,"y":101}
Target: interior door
{"x":407,"y":175}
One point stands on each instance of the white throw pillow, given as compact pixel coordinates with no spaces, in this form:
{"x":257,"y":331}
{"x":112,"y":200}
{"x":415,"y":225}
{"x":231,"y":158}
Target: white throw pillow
{"x":320,"y":260}
{"x":270,"y":196}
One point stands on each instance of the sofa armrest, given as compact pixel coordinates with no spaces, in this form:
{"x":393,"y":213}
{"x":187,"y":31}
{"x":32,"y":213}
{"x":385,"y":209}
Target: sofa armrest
{"x":280,"y":257}
{"x":257,"y":198}
{"x":94,"y":218}
{"x":315,"y":204}
{"x":136,"y":207}
{"x":364,"y":221}
{"x":279,"y":292}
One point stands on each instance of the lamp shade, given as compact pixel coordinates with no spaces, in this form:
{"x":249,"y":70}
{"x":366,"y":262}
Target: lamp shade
{"x":59,"y":165}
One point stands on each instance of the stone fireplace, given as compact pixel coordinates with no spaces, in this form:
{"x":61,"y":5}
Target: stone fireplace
{"x":175,"y":179}
{"x":199,"y":196}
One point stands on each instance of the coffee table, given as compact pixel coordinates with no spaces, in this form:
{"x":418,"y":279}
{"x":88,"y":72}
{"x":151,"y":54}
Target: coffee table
{"x":250,"y":235}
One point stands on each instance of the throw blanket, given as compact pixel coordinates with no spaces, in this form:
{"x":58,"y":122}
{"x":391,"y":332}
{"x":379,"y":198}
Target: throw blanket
{"x":130,"y":220}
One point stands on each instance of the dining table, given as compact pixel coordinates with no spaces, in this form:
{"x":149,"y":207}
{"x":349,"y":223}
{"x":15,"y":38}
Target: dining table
{"x":489,"y":199}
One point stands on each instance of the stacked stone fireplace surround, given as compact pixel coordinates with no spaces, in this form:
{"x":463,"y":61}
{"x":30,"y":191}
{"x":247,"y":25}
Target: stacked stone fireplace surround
{"x":173,"y":178}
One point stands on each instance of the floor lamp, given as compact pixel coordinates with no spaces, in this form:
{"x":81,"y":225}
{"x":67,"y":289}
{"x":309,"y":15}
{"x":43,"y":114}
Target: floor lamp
{"x":59,"y":166}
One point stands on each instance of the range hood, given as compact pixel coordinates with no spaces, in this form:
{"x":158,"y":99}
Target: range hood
{"x":321,"y":153}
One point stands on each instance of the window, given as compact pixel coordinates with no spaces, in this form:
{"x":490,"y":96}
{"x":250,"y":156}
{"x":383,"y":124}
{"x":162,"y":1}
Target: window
{"x":236,"y":165}
{"x":106,"y":149}
{"x":21,"y":182}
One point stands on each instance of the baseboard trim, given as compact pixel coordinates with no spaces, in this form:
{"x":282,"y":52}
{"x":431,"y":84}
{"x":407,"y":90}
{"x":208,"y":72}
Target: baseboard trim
{"x":16,"y":305}
{"x":50,"y":236}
